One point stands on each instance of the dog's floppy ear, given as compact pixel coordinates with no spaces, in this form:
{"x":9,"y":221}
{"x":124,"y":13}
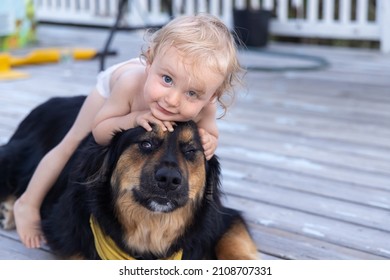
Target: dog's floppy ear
{"x":213,"y":171}
{"x":94,"y":164}
{"x":98,"y":161}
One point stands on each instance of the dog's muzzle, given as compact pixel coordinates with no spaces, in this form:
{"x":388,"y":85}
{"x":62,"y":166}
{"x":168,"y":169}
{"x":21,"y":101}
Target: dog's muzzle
{"x":168,"y":178}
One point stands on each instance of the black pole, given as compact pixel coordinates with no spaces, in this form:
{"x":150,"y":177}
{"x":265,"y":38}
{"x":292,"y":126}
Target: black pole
{"x":105,"y":51}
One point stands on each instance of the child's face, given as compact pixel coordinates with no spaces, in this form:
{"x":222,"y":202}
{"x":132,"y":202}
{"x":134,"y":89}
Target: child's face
{"x":172,"y":92}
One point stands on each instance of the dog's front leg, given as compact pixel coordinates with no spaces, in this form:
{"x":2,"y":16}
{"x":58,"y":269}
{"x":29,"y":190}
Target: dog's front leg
{"x":236,"y":244}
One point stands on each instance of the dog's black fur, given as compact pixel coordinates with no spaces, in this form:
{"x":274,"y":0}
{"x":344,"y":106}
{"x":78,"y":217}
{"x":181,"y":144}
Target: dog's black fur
{"x":85,"y":187}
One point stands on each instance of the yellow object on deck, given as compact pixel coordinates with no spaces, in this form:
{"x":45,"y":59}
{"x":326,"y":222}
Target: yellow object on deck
{"x":41,"y":56}
{"x":5,"y":70}
{"x":53,"y":55}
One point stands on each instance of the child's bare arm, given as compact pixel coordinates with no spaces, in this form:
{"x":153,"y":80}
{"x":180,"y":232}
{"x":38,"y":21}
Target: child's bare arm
{"x":113,"y":116}
{"x":104,"y":130}
{"x":208,"y":130}
{"x":116,"y":114}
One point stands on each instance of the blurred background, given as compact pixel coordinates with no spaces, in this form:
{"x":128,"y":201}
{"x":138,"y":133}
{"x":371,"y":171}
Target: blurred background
{"x":305,"y":147}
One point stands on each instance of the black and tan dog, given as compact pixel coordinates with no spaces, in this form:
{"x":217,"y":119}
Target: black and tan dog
{"x":147,"y":195}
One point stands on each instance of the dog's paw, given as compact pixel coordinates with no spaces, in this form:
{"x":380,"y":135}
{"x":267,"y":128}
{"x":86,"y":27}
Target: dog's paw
{"x":7,"y":220}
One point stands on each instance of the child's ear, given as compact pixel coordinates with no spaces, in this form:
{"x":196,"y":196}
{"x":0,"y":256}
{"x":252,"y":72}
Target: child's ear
{"x":148,"y":57}
{"x":147,"y":61}
{"x":214,"y":98}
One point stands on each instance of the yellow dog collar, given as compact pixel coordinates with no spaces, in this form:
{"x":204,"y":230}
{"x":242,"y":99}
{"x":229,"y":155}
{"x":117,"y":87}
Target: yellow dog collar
{"x":108,"y":250}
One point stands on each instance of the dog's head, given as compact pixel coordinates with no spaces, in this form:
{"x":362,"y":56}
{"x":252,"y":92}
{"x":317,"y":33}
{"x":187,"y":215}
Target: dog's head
{"x":155,"y":184}
{"x":161,"y":171}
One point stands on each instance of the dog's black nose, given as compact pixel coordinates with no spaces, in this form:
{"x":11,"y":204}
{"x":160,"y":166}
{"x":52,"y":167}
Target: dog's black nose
{"x":168,"y":178}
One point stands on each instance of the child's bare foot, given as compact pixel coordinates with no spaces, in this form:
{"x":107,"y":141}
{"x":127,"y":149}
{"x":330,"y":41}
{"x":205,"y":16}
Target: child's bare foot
{"x":28,"y":224}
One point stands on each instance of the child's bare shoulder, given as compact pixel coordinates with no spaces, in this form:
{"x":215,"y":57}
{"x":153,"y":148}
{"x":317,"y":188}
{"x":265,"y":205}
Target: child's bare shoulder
{"x":129,"y":76}
{"x":132,"y":68}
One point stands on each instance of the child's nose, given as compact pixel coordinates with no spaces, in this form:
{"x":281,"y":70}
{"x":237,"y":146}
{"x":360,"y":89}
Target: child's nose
{"x":173,"y":98}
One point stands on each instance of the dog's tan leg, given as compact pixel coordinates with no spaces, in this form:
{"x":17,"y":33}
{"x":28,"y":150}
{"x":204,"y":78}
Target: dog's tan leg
{"x":236,"y":244}
{"x":77,"y":257}
{"x":7,"y":220}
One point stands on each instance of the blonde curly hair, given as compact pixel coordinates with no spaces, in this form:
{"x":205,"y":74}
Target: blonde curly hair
{"x":206,"y":44}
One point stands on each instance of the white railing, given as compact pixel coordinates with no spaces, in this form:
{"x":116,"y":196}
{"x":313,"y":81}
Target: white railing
{"x":334,"y":19}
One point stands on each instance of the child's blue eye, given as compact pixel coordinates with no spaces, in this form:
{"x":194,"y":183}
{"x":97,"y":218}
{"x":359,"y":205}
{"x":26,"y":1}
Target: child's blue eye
{"x":192,"y":94}
{"x":167,"y":79}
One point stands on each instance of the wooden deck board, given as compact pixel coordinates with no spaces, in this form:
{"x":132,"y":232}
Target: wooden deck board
{"x":305,"y":154}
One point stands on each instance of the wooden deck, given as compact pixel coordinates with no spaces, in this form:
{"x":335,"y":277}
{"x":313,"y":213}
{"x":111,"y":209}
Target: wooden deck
{"x":305,"y":154}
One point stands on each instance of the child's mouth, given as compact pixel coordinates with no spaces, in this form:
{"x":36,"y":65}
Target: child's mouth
{"x":164,"y":111}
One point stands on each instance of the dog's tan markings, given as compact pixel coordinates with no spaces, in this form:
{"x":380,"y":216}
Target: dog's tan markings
{"x":236,"y":244}
{"x":196,"y":169}
{"x":197,"y":180}
{"x":145,"y":231}
{"x":148,"y":231}
{"x":7,"y":220}
{"x":158,"y":132}
{"x":77,"y":257}
{"x":128,"y":170}
{"x":187,"y":135}
{"x":129,"y":166}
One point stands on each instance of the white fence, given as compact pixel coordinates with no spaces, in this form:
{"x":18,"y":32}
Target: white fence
{"x":333,"y":19}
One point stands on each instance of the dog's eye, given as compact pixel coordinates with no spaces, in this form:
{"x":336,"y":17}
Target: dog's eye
{"x":190,"y":154}
{"x":146,"y":145}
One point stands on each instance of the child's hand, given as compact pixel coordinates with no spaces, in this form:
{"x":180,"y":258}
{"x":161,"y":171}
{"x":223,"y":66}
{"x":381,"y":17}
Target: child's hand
{"x":145,"y":118}
{"x":209,"y":143}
